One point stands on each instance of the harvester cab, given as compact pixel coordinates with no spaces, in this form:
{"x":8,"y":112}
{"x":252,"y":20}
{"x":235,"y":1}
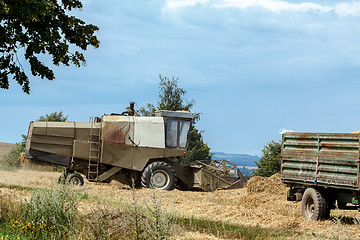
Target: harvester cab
{"x":128,"y":148}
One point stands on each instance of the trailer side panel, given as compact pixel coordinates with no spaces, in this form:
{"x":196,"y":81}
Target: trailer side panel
{"x":321,"y":159}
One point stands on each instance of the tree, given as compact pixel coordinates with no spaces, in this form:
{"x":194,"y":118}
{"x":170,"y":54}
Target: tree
{"x":171,"y":97}
{"x":269,"y":163}
{"x":54,"y":117}
{"x":38,"y":27}
{"x":198,"y":149}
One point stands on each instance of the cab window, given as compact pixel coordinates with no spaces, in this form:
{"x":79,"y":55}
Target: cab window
{"x":177,"y":132}
{"x":183,"y":133}
{"x":171,"y":133}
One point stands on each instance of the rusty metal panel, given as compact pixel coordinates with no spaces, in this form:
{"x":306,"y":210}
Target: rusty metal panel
{"x":118,"y":130}
{"x":324,"y":159}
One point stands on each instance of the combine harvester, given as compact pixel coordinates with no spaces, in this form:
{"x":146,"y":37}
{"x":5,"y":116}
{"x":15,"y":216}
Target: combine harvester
{"x":128,"y":148}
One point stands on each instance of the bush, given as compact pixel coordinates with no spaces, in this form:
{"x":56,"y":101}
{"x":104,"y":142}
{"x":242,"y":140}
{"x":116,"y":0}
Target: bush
{"x":11,"y":160}
{"x":269,"y":163}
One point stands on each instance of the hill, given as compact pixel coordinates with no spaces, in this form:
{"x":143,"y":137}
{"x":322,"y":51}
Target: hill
{"x":237,"y":159}
{"x":5,"y":148}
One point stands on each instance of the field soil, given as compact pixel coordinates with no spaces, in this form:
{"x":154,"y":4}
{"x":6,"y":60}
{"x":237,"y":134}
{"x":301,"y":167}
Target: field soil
{"x":262,"y":203}
{"x":5,"y":148}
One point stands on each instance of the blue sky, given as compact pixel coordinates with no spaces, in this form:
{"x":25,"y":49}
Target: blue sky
{"x":252,"y":66}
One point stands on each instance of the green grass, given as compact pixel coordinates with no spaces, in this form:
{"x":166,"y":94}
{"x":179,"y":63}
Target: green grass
{"x":224,"y":230}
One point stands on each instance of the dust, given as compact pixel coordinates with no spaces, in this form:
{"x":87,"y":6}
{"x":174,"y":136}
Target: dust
{"x":29,"y":165}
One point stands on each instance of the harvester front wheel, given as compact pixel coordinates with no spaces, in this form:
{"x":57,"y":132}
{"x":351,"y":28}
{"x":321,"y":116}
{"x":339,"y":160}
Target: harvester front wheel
{"x":75,"y":179}
{"x":314,"y":205}
{"x":158,"y":175}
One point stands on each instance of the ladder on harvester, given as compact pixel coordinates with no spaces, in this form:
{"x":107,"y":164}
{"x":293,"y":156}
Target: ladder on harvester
{"x":94,"y":151}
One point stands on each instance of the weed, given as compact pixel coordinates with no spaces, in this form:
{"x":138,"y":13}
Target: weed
{"x":50,"y":214}
{"x":137,"y":216}
{"x":159,"y":222}
{"x":11,"y":160}
{"x":148,"y":221}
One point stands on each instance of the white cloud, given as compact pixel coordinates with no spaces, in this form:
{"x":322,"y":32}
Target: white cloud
{"x":342,"y":9}
{"x":173,"y":4}
{"x":348,"y":9}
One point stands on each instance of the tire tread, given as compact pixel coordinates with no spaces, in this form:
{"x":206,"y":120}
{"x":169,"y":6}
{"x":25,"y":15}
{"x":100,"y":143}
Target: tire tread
{"x":321,"y":209}
{"x":147,"y":171}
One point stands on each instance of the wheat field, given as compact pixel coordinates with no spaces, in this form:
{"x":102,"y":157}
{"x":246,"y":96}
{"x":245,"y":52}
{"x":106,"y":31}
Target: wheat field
{"x":261,"y":204}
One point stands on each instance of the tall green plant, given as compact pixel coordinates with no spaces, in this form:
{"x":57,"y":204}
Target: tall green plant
{"x":51,"y":213}
{"x":269,"y":163}
{"x":54,"y":117}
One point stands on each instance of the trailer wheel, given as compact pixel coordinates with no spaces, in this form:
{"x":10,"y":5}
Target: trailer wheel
{"x":158,"y":175}
{"x":75,"y":179}
{"x":314,"y":205}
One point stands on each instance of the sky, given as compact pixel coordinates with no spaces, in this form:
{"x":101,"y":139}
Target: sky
{"x":253,"y":67}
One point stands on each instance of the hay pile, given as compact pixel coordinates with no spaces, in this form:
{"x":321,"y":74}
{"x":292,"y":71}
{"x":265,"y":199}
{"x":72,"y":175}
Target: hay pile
{"x":271,"y":185}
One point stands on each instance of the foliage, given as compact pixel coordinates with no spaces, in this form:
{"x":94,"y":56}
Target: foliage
{"x":149,"y":222}
{"x":54,"y":117}
{"x":51,"y":214}
{"x":269,"y":163}
{"x":11,"y":160}
{"x":34,"y":28}
{"x":198,"y":150}
{"x":171,"y":97}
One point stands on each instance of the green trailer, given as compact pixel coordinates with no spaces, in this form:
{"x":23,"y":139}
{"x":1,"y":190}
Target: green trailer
{"x":322,"y":171}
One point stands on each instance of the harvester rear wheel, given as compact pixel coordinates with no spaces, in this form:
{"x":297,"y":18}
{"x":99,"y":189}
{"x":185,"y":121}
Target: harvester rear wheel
{"x":314,"y":205}
{"x":159,"y":175}
{"x":75,"y":179}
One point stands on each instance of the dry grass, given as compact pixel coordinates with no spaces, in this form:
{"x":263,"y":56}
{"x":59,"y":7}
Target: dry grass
{"x":262,"y":204}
